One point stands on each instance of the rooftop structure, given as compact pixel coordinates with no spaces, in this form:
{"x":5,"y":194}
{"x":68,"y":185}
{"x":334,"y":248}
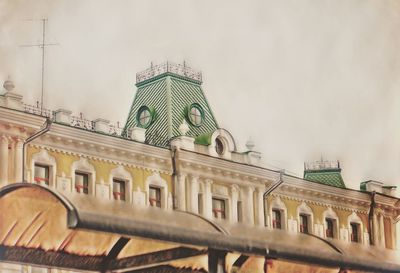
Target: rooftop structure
{"x":325,"y":172}
{"x":180,"y":70}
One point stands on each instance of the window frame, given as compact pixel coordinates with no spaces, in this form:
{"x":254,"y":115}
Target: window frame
{"x":47,"y":171}
{"x":358,"y":232}
{"x":330,"y":232}
{"x":273,"y":221}
{"x":200,"y":110}
{"x":124,"y":194}
{"x":84,"y":175}
{"x":223,"y":211}
{"x":306,"y":229}
{"x":158,"y":199}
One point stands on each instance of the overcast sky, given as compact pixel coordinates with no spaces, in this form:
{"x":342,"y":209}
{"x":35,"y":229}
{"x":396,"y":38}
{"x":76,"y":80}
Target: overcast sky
{"x":302,"y":78}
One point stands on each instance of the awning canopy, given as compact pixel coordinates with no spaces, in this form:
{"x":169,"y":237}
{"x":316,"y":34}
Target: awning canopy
{"x":41,"y":226}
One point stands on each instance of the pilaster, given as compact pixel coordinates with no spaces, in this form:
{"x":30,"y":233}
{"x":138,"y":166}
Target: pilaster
{"x":3,"y":159}
{"x":18,"y":160}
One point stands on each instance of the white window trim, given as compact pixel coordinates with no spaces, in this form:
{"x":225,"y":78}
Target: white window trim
{"x":354,"y":218}
{"x":156,"y":180}
{"x":331,"y":214}
{"x":227,"y":201}
{"x":303,"y":208}
{"x":120,"y":173}
{"x":227,"y":141}
{"x":278,"y":204}
{"x":43,"y":158}
{"x":83,"y":166}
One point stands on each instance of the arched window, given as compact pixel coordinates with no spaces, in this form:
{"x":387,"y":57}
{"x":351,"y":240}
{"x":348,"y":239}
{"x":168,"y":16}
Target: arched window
{"x":156,"y":191}
{"x":305,"y":218}
{"x":331,"y":224}
{"x":278,"y":214}
{"x":355,"y":227}
{"x":121,"y":184}
{"x":44,"y":168}
{"x":83,"y":177}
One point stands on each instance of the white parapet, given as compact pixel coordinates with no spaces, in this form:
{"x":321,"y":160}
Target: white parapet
{"x":101,"y":125}
{"x":63,"y":116}
{"x":183,"y":142}
{"x":137,"y":133}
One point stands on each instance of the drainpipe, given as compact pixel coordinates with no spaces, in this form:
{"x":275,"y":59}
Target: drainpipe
{"x":268,"y":191}
{"x":371,"y":219}
{"x":174,"y":174}
{"x":30,"y":139}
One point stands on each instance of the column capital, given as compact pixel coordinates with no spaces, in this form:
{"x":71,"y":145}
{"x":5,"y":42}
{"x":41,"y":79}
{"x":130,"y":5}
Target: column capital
{"x":250,"y":188}
{"x":208,"y":181}
{"x":4,"y":138}
{"x":235,"y":188}
{"x":182,"y":175}
{"x":194,"y":177}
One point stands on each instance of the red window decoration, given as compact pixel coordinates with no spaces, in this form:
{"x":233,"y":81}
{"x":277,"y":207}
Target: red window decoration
{"x":155,"y":197}
{"x":276,"y":219}
{"x":82,"y":182}
{"x":41,"y":174}
{"x":303,"y":223}
{"x":218,"y":208}
{"x":329,"y":227}
{"x":119,"y":189}
{"x":355,"y":232}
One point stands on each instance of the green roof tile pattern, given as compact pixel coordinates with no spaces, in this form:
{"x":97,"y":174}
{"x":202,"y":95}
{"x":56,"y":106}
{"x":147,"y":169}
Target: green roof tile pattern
{"x":170,"y":96}
{"x":327,"y":177}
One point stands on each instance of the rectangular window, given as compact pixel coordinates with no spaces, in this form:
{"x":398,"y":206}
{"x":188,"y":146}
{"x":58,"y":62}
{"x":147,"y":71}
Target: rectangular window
{"x":200,"y":203}
{"x":276,"y":219}
{"x":329,"y":227}
{"x":42,"y":174}
{"x":82,"y":182}
{"x":239,"y":211}
{"x":218,"y":208}
{"x":119,"y":189}
{"x":355,"y":232}
{"x":303,"y":223}
{"x":155,"y":197}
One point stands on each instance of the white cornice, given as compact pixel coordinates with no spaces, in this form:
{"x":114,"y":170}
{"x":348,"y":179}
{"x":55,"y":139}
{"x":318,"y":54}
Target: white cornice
{"x":106,"y":148}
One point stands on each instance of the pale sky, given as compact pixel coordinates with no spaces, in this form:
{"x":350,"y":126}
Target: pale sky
{"x":303,"y":78}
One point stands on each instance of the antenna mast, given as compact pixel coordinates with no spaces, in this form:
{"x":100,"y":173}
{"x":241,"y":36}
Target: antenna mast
{"x":42,"y":46}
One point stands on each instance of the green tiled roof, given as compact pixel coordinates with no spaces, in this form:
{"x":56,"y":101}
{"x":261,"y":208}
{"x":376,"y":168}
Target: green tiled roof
{"x":331,"y":177}
{"x":170,"y":96}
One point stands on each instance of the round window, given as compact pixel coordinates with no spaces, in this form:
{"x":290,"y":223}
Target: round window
{"x":196,"y":114}
{"x":219,"y":146}
{"x":144,"y":117}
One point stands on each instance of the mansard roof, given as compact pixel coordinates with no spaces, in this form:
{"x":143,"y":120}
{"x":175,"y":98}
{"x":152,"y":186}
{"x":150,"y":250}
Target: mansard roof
{"x":169,"y":92}
{"x":324,"y":172}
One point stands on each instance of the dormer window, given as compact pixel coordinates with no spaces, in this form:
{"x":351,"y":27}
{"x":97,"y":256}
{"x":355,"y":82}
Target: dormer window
{"x":219,"y":146}
{"x":144,"y":117}
{"x":196,"y":114}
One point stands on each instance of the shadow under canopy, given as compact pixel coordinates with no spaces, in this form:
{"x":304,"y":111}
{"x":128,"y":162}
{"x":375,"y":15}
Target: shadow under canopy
{"x":43,"y":227}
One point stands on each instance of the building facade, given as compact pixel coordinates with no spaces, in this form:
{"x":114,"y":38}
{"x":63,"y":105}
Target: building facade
{"x":172,"y":154}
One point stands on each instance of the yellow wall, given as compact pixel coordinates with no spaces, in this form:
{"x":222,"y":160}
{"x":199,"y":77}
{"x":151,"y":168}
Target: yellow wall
{"x":102,"y":167}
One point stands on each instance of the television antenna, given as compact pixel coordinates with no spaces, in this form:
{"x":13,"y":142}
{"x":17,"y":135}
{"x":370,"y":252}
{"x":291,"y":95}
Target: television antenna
{"x":43,"y":46}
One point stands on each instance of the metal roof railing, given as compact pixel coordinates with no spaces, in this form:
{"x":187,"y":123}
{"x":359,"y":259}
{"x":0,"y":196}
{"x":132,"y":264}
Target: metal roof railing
{"x":178,"y":69}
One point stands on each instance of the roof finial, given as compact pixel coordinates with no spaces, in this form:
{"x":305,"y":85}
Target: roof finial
{"x":250,"y":144}
{"x":184,"y":128}
{"x":8,"y":84}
